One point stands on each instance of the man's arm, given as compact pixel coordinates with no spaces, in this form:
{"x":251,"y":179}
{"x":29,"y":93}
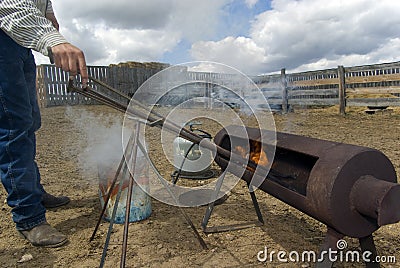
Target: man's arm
{"x":51,"y":17}
{"x":27,"y":26}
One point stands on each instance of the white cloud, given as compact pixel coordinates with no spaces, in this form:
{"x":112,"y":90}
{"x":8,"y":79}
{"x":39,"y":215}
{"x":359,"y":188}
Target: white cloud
{"x":236,"y":52}
{"x":135,"y":30}
{"x":196,"y":20}
{"x":110,"y":45}
{"x":250,"y":3}
{"x":121,"y":14}
{"x":385,"y":53}
{"x":296,"y":35}
{"x":309,"y":33}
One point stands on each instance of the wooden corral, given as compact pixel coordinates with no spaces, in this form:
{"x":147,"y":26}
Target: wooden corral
{"x":126,"y":77}
{"x":369,"y":85}
{"x":52,"y":86}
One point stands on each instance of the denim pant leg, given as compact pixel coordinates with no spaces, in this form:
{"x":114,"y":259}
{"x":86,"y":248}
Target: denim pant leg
{"x":19,"y":119}
{"x":30,"y":78}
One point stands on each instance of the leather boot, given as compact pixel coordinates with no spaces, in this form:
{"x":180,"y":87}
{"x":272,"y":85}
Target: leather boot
{"x":43,"y":235}
{"x":51,"y":201}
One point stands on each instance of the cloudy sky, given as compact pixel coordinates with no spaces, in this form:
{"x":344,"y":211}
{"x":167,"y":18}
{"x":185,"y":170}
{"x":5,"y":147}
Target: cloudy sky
{"x":254,"y":36}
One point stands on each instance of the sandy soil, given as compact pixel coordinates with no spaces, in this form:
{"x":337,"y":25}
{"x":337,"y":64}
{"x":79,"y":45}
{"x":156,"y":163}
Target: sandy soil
{"x":164,"y":239}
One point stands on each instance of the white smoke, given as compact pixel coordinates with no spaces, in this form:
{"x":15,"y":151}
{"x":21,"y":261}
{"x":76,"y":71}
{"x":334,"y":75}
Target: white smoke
{"x":103,"y":135}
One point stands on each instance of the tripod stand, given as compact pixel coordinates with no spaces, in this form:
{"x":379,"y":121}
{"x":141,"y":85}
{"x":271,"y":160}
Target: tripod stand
{"x":132,"y":149}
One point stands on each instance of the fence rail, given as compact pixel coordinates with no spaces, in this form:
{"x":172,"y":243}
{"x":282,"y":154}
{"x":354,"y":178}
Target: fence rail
{"x":368,"y":85}
{"x":52,"y":86}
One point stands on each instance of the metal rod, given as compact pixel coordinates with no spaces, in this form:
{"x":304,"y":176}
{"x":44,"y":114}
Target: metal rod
{"x":114,"y":212}
{"x":132,"y":100}
{"x":110,"y":88}
{"x":175,"y":179}
{"x":231,"y":227}
{"x":114,"y":104}
{"x":129,"y":199}
{"x":182,"y":132}
{"x":255,"y":203}
{"x":161,"y":179}
{"x":367,"y":244}
{"x":111,"y":188}
{"x":214,"y":196}
{"x":89,"y":92}
{"x":330,"y":242}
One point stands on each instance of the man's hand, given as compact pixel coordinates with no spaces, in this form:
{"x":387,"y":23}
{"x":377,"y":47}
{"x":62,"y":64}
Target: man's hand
{"x":71,"y":59}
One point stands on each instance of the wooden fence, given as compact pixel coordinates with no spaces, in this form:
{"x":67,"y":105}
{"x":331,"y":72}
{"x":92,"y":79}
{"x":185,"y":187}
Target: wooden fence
{"x":52,"y":83}
{"x":368,"y":85}
{"x":52,"y":86}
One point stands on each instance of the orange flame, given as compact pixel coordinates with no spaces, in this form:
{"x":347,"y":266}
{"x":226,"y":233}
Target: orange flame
{"x":257,"y":155}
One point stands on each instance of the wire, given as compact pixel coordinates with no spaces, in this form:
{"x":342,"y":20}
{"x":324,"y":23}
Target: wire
{"x":176,"y":177}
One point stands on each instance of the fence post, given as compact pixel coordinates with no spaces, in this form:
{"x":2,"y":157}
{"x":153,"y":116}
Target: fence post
{"x":41,"y":94}
{"x":285,"y":101}
{"x":46,"y":88}
{"x":342,"y":90}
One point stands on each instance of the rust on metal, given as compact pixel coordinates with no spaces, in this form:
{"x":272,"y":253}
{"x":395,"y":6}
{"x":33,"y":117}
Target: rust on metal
{"x":326,"y":180}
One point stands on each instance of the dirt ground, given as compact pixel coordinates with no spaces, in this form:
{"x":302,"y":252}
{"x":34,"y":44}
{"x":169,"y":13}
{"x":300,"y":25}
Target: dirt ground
{"x":164,"y":239}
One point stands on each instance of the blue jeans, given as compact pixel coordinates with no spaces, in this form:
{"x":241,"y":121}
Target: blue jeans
{"x":19,"y":119}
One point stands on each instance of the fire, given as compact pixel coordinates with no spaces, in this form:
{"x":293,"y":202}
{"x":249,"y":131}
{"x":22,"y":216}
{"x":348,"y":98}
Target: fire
{"x":107,"y":176}
{"x":257,"y":155}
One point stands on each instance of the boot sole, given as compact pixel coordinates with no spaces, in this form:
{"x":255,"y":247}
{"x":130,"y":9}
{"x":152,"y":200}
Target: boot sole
{"x":56,"y":206}
{"x":59,"y":244}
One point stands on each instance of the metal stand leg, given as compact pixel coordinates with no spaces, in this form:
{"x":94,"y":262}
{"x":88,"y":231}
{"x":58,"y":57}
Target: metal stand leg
{"x":114,"y":212}
{"x":135,"y":142}
{"x":210,"y":207}
{"x":129,"y":199}
{"x":255,"y":204}
{"x":330,"y":243}
{"x":367,"y":244}
{"x":225,"y":228}
{"x":122,"y":167}
{"x":164,"y":183}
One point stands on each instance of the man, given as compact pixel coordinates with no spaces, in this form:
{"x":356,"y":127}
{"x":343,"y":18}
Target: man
{"x":26,"y":25}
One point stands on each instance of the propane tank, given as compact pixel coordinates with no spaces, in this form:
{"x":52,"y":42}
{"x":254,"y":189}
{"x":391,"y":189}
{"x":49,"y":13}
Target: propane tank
{"x":189,"y":157}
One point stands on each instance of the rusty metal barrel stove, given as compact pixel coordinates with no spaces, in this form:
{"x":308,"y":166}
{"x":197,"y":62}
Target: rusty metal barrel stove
{"x":352,"y":189}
